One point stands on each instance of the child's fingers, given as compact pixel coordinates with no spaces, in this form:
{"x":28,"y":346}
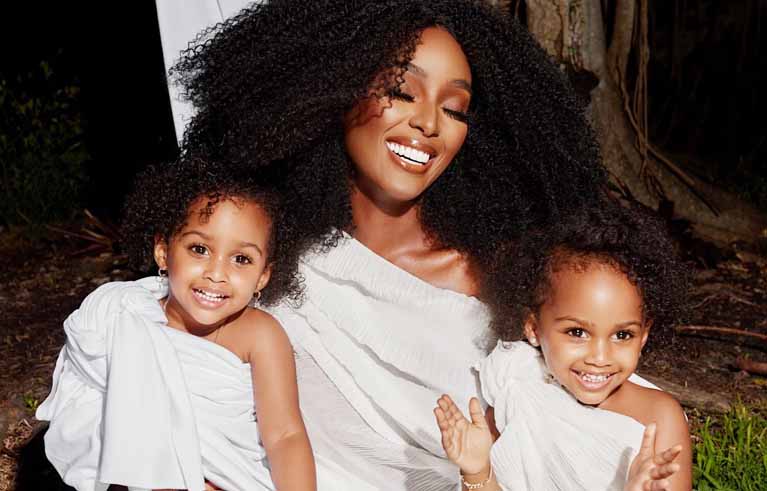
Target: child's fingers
{"x":663,"y":471}
{"x":668,"y":455}
{"x":441,"y":419}
{"x":661,"y":485}
{"x":647,"y":448}
{"x":475,"y":411}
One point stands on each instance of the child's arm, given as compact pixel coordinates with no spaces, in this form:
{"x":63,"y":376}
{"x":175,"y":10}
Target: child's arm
{"x":276,"y":398}
{"x":467,"y":443}
{"x":674,"y":431}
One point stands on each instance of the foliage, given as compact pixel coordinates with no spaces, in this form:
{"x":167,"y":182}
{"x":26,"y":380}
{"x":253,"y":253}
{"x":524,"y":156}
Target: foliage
{"x":731,"y":453}
{"x":42,"y":154}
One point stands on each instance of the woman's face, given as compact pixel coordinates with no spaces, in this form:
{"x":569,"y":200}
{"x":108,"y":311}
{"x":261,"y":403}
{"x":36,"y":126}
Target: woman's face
{"x":401,"y":143}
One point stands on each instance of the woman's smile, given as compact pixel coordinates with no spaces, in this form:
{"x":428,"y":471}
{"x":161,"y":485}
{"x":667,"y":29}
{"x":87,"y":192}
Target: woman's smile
{"x":401,"y":143}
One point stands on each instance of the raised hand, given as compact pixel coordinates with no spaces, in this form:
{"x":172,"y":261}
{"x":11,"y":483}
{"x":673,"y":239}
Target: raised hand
{"x":466,"y":443}
{"x":650,"y":471}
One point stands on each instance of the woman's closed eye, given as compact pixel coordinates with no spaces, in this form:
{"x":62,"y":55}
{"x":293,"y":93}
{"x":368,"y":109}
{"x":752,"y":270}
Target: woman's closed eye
{"x":456,"y":114}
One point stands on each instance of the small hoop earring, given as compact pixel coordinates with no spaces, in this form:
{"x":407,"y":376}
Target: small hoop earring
{"x":162,"y":272}
{"x":257,"y":296}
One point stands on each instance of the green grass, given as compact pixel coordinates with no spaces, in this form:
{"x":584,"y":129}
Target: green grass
{"x":731,"y":453}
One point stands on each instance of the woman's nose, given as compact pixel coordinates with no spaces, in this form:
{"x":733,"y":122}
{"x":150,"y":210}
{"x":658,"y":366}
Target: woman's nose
{"x":426,"y":118}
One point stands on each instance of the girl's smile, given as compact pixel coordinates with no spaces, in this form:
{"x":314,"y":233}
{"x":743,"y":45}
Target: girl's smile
{"x":215,"y":263}
{"x":590,"y":330}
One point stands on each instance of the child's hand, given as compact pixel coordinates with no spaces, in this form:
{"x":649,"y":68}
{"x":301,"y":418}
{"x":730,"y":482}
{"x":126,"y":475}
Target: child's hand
{"x":649,"y":471}
{"x":467,"y":443}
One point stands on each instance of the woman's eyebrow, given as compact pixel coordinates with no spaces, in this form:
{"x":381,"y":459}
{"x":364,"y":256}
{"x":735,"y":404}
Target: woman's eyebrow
{"x":420,"y":72}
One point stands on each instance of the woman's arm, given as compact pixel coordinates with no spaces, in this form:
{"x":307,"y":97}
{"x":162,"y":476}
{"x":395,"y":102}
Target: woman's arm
{"x":276,"y":399}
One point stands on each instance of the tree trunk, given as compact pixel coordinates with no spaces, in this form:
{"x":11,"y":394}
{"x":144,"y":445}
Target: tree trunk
{"x":572,"y":31}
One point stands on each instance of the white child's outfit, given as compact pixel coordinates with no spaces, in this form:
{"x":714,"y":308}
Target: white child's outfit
{"x":550,"y":441}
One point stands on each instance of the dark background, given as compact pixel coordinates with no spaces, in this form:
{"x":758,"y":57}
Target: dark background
{"x":706,"y":97}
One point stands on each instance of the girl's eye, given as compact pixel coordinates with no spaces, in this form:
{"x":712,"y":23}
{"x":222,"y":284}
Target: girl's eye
{"x":576,"y":332}
{"x":397,"y":93}
{"x":199,"y":249}
{"x":624,"y":335}
{"x":242,"y":259}
{"x":457,"y":115}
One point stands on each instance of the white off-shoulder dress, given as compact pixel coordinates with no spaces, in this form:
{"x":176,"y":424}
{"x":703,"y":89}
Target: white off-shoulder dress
{"x":550,"y":441}
{"x":375,"y":348}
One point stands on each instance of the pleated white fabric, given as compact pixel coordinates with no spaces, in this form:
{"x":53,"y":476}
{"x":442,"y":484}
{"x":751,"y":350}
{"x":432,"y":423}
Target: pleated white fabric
{"x":550,"y":441}
{"x":376,"y":346}
{"x":137,"y":403}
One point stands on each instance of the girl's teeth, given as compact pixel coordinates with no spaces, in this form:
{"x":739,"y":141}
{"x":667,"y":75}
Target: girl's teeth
{"x":594,"y":378}
{"x":409,"y":153}
{"x":210,"y":296}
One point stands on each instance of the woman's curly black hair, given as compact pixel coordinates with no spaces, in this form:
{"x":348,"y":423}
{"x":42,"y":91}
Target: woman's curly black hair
{"x":272,"y":86}
{"x":630,"y":239}
{"x":161,"y":199}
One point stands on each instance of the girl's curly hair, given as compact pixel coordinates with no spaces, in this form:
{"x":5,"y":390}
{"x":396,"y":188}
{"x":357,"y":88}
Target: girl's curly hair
{"x":271,"y":86}
{"x":161,"y":199}
{"x":629,"y":239}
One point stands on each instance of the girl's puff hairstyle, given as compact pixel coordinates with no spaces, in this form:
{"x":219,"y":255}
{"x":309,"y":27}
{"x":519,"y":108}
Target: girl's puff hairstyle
{"x":274,"y":83}
{"x":629,"y":239}
{"x":159,"y":206}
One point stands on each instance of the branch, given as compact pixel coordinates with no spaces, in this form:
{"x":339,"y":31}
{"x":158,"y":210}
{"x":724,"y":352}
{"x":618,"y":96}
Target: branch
{"x":751,"y":366}
{"x":720,"y":330}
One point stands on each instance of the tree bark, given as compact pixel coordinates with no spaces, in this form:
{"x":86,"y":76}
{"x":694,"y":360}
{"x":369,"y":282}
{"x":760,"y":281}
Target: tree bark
{"x":549,"y":21}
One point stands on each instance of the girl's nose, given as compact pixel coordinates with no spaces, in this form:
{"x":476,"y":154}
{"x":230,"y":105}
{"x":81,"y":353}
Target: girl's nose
{"x":599,"y":353}
{"x":216,"y":270}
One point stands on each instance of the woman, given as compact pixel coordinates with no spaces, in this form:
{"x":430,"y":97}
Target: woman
{"x":418,"y":135}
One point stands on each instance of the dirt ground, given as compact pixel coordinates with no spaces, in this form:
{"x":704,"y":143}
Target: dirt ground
{"x":42,"y":282}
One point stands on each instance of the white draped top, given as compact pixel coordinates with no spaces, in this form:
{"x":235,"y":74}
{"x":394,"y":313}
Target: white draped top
{"x":376,"y":347}
{"x":137,"y":403}
{"x":550,"y":441}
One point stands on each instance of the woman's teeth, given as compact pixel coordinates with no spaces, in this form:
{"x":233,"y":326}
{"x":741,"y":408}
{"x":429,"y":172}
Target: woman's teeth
{"x":210,"y":297}
{"x":409,"y":153}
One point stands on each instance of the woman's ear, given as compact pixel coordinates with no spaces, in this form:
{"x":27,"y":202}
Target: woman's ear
{"x":160,"y":252}
{"x":531,"y":330}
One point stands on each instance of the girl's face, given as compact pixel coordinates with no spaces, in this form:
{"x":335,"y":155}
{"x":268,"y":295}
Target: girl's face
{"x":401,"y":143}
{"x":215,"y":264}
{"x":591,"y":331}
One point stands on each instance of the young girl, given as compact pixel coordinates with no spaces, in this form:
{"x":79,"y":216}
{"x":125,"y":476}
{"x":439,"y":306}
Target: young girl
{"x":585,"y":293}
{"x":155,"y":387}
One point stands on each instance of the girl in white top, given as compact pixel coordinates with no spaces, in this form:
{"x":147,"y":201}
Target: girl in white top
{"x":157,"y":384}
{"x":585,"y":293}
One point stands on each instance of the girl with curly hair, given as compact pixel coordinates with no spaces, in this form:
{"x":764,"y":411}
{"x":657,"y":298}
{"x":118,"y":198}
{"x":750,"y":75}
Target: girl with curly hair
{"x":410,"y":138}
{"x":585,"y":294}
{"x":156,"y":384}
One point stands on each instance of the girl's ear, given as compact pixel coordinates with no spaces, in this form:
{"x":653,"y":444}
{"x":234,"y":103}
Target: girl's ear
{"x":646,"y":332}
{"x":266,"y":274}
{"x":531,"y":330}
{"x":160,"y":252}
